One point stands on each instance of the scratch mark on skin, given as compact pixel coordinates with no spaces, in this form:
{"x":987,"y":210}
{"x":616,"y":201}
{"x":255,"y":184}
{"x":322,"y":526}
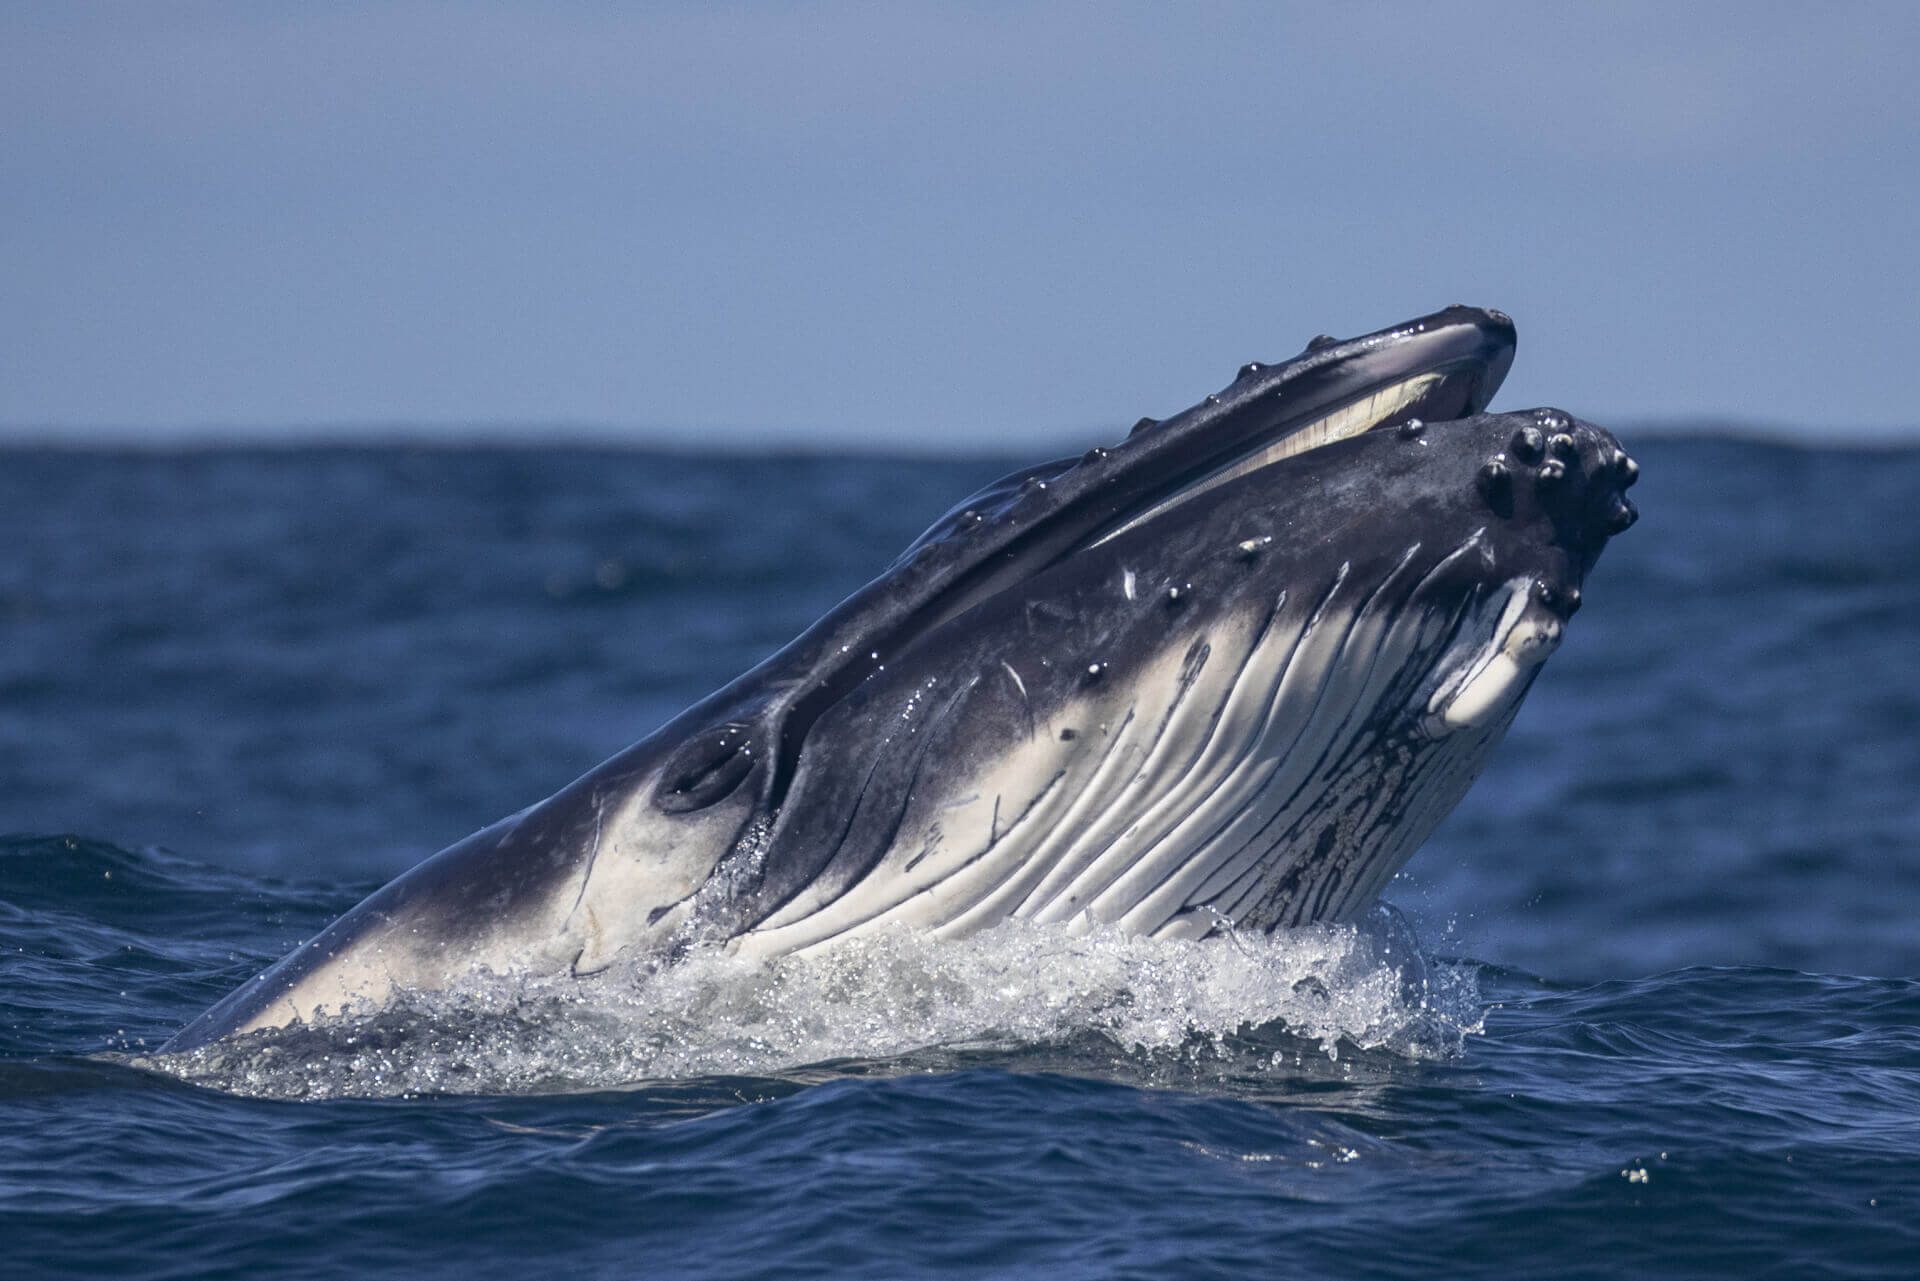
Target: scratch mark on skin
{"x":993,"y":827}
{"x":1017,"y":682}
{"x":1026,"y":703}
{"x":599,"y":825}
{"x":932,"y":842}
{"x":597,"y":935}
{"x":595,"y":944}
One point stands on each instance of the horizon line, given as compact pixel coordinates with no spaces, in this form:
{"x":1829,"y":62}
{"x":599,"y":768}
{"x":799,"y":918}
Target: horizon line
{"x":764,"y":441}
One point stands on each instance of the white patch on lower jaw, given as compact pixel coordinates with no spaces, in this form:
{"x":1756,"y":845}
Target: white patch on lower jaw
{"x":1524,"y":636}
{"x":1028,"y":826}
{"x":1182,"y":727}
{"x":1333,"y":680}
{"x":989,"y":832}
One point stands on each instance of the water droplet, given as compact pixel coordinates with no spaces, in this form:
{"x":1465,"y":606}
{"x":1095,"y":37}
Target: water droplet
{"x":610,"y":575}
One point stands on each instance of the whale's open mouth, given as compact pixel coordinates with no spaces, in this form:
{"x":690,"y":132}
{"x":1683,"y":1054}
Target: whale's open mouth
{"x":1441,"y":367}
{"x":1437,"y":395}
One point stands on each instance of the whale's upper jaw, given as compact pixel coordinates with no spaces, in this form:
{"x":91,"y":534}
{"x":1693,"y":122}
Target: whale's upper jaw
{"x":1436,"y":368}
{"x":1439,"y":367}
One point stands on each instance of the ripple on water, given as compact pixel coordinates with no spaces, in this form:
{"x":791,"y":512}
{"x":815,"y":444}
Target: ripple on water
{"x":896,"y":997}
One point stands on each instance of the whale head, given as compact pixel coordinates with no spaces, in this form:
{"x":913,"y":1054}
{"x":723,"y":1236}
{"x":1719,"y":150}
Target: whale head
{"x":1228,"y":672}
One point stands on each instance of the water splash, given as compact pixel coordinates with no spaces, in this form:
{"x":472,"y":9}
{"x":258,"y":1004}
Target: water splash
{"x":893,"y":1002}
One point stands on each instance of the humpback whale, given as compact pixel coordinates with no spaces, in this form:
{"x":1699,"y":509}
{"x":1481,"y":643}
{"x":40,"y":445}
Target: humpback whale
{"x":1226,"y":673}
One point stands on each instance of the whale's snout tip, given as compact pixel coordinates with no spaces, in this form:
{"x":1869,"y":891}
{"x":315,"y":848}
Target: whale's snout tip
{"x":1570,"y":471}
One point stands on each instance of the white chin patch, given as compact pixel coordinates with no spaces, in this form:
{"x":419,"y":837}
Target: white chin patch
{"x":1499,"y":673}
{"x":1361,"y":416}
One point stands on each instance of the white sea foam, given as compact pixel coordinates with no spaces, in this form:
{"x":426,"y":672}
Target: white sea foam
{"x":1017,"y":995}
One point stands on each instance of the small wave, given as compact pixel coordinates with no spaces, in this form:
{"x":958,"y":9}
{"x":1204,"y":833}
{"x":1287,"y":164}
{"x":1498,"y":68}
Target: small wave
{"x":150,"y":890}
{"x":893,"y":1002}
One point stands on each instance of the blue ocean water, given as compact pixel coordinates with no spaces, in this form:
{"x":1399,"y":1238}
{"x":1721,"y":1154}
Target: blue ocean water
{"x":1646,"y":1006}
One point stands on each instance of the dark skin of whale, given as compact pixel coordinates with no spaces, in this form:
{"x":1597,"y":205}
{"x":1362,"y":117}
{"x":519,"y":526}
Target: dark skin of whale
{"x":1225,"y":673}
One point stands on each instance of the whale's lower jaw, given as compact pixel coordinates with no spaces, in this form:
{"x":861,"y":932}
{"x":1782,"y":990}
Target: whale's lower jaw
{"x":1267,"y":773}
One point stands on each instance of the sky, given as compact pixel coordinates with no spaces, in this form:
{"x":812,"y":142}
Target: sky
{"x":937,"y":227}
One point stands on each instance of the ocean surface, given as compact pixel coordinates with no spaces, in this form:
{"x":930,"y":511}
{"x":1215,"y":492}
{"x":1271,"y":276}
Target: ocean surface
{"x":1645,"y":1006}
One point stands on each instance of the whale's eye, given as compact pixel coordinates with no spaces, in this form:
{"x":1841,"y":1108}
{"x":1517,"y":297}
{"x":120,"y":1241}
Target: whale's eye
{"x":706,"y":770}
